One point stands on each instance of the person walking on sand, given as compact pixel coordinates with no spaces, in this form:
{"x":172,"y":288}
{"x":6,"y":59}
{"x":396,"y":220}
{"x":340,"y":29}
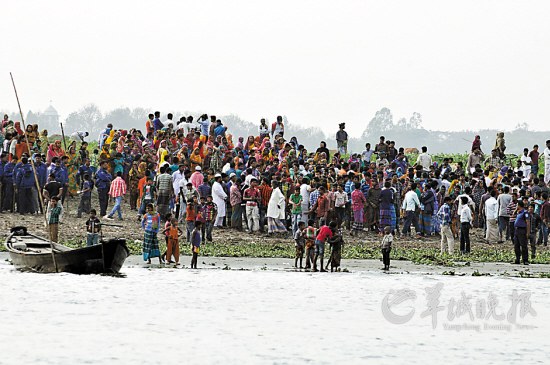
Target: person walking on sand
{"x":117,"y":190}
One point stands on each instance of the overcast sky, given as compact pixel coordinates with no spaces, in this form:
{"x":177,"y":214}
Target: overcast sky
{"x":461,"y":64}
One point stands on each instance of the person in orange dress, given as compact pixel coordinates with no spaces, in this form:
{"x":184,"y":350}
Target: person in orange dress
{"x":173,"y":232}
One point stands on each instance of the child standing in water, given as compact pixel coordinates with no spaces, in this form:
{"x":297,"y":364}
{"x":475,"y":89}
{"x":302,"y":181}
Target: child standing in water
{"x":386,"y":247}
{"x":195,"y":243}
{"x":310,"y":243}
{"x":299,"y":239}
{"x":172,"y":233}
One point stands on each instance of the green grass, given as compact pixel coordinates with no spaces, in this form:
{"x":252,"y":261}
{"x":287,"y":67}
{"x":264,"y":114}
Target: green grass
{"x":421,"y":255}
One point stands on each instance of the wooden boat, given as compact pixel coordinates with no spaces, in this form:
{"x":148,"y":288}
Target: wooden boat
{"x":33,"y":253}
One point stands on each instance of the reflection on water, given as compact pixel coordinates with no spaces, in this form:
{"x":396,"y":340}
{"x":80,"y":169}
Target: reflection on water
{"x":227,"y":316}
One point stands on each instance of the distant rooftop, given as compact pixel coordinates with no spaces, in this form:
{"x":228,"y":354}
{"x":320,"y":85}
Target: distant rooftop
{"x":51,"y":111}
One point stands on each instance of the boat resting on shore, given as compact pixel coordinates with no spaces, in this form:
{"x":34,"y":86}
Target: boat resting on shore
{"x":33,"y":253}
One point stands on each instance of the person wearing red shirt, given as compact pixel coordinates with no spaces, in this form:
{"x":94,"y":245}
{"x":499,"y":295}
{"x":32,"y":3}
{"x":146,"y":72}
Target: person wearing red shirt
{"x":325,"y":232}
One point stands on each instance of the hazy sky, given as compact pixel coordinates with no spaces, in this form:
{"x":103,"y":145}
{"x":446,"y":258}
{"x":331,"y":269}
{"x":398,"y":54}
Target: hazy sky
{"x":461,"y":64}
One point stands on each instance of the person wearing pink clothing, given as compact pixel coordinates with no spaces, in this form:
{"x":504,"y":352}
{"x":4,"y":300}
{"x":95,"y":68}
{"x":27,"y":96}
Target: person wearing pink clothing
{"x":196,"y":177}
{"x":358,"y":202}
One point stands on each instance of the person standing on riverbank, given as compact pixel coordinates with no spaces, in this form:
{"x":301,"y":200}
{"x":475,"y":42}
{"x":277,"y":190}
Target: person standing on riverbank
{"x":276,"y":210}
{"x":521,"y":233}
{"x":150,"y":223}
{"x":54,"y":216}
{"x":173,"y":232}
{"x":195,"y":244}
{"x":491,"y":216}
{"x":386,"y":247}
{"x":465,"y":225}
{"x":445,"y":221}
{"x":547,"y":162}
{"x":325,"y":232}
{"x":103,"y":183}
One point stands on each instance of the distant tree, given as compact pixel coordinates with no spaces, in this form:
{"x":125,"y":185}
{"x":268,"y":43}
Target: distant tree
{"x":382,"y":122}
{"x":89,"y":119}
{"x":402,"y":123}
{"x":522,"y":126}
{"x":415,"y":122}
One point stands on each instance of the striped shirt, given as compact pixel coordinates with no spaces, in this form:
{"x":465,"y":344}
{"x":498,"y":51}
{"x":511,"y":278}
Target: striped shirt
{"x":164,"y":183}
{"x":118,"y":187}
{"x":265,"y":191}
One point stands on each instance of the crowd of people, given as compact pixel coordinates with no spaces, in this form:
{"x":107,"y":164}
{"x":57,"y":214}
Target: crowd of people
{"x":186,"y":177}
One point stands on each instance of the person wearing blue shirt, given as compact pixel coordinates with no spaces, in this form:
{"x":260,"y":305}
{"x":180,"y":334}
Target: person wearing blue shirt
{"x":220,"y":128}
{"x":84,"y":169}
{"x":8,"y":186}
{"x":103,"y":183}
{"x":25,"y":182}
{"x":157,"y":124}
{"x":3,"y":162}
{"x":41,"y":170}
{"x":521,"y":233}
{"x":104,"y":134}
{"x":42,"y":174}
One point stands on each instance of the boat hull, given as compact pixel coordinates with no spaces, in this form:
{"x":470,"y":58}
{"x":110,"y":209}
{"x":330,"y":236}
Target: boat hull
{"x":106,"y":257}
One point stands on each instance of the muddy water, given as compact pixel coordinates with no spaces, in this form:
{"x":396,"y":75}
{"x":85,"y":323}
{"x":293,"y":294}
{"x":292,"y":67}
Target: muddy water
{"x":165,"y":316}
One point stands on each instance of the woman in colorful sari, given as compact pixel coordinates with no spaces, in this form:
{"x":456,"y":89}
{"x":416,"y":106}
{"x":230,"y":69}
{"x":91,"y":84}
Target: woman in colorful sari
{"x":72,"y":169}
{"x":162,"y":153}
{"x":31,"y":135}
{"x":54,"y":150}
{"x":44,"y":144}
{"x":151,"y":225}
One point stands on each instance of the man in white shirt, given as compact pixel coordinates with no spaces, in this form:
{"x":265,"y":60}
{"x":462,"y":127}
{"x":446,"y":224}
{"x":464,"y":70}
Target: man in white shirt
{"x":366,"y":154}
{"x":409,"y":207}
{"x":465,"y":225}
{"x":305,"y":190}
{"x":491,"y":215}
{"x":263,"y":129}
{"x":79,"y":136}
{"x":526,"y":163}
{"x":546,"y":153}
{"x":424,"y":159}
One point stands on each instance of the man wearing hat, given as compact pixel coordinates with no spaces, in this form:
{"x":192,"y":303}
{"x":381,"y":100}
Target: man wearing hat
{"x":342,"y":139}
{"x":219,"y":196}
{"x":197,"y":177}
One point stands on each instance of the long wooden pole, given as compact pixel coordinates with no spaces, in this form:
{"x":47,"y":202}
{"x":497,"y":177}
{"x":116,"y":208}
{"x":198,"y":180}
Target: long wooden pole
{"x":34,"y":171}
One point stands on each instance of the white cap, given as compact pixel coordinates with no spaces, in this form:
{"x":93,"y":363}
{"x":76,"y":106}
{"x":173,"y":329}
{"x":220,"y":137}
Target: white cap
{"x":218,"y":175}
{"x":197,"y":168}
{"x":232,"y":174}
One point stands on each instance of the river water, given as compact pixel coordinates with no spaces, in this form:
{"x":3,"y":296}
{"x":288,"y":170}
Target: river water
{"x":166,"y":316}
